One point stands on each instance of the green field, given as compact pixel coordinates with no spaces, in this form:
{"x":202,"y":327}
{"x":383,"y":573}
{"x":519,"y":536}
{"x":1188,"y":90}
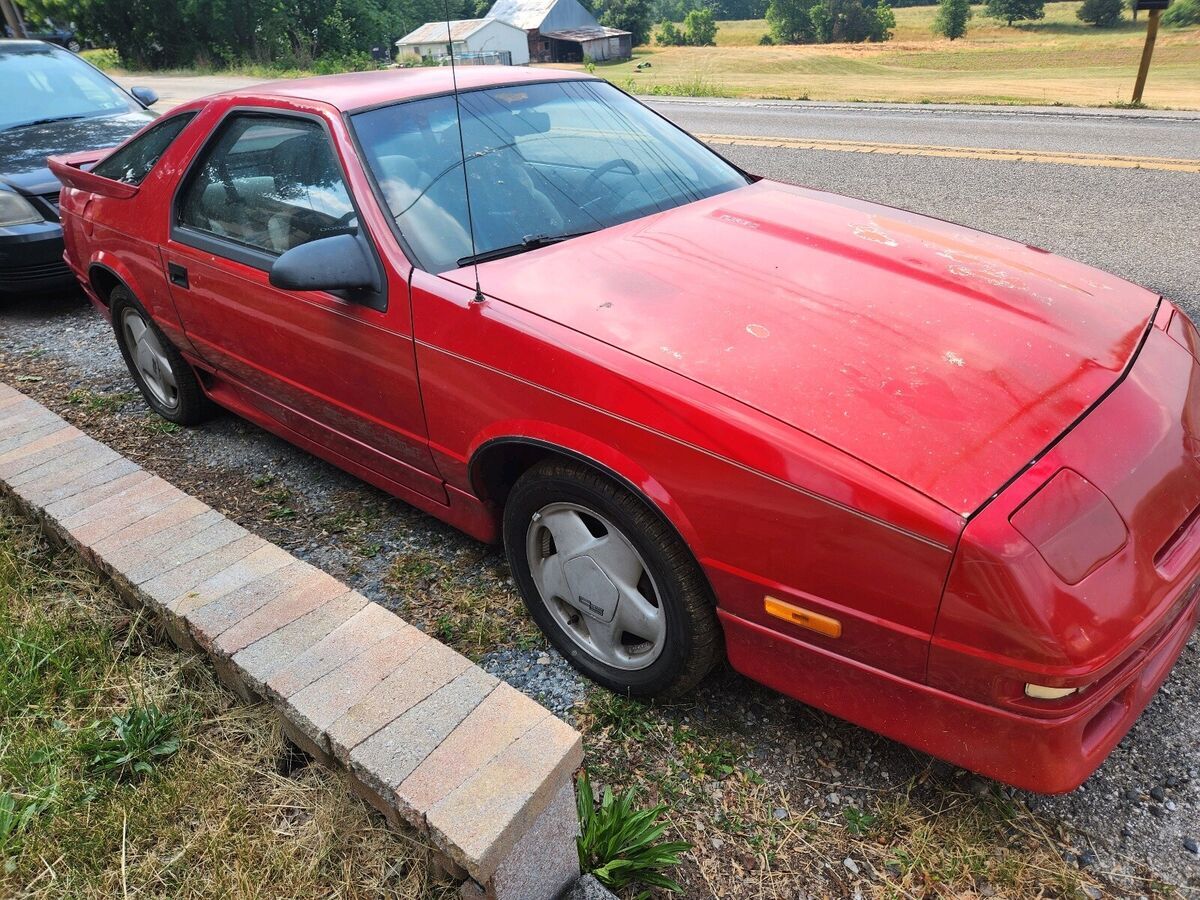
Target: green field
{"x":1058,"y":60}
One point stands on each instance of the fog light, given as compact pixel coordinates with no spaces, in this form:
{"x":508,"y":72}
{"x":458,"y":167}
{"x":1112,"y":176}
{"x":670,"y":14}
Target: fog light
{"x":1041,"y":692}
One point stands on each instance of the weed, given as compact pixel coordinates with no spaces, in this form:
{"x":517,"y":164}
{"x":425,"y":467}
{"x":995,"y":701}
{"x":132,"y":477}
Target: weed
{"x":159,"y":425}
{"x":621,"y":845}
{"x":695,"y":86}
{"x":16,"y":815}
{"x":623,"y":718}
{"x":280,"y":509}
{"x":858,"y":822}
{"x":99,"y":403}
{"x":136,"y":742}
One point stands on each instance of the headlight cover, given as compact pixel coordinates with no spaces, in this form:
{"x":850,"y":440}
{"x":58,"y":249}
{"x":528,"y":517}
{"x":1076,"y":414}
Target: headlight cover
{"x":16,"y":210}
{"x":1072,"y":525}
{"x":1181,"y":329}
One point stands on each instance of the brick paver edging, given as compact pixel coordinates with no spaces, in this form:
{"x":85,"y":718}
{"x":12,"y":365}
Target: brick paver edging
{"x":428,"y":738}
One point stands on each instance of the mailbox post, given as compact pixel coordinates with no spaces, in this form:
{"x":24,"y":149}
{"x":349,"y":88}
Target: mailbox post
{"x":1155,"y":8}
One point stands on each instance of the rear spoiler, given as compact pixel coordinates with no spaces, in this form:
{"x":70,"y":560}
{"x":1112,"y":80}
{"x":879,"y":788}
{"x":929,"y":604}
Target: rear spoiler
{"x":69,"y":170}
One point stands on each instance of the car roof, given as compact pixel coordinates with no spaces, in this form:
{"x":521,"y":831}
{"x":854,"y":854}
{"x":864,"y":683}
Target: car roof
{"x":358,"y":90}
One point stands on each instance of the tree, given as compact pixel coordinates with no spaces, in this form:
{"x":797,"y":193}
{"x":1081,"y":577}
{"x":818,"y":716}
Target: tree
{"x":634,"y":16}
{"x":700,"y":28}
{"x":1182,"y":13}
{"x":952,"y":18}
{"x":1016,"y":10}
{"x":789,"y":22}
{"x":1101,"y":13}
{"x":669,"y":35}
{"x":885,"y":22}
{"x":822,"y":24}
{"x":849,"y":21}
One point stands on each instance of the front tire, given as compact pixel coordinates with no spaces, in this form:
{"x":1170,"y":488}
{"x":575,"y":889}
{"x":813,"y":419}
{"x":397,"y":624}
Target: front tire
{"x":166,"y":381}
{"x":609,"y":582}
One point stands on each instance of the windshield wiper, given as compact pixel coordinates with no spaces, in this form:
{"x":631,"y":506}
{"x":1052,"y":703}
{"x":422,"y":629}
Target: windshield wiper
{"x":45,"y":121}
{"x":529,"y":242}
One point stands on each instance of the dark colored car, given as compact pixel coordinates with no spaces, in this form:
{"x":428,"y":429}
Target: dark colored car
{"x":52,"y":102}
{"x":53,"y":34}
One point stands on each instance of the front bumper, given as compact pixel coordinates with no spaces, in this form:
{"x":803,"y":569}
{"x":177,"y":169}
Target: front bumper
{"x":1046,"y":755}
{"x":31,"y":259}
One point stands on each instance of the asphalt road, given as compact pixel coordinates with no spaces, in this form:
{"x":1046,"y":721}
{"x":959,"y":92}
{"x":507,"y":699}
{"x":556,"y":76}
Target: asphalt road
{"x":1124,"y":132}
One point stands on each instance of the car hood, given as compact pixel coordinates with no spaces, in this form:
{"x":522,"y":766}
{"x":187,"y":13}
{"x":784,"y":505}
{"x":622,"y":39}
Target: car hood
{"x":23,"y":151}
{"x":941,"y":356}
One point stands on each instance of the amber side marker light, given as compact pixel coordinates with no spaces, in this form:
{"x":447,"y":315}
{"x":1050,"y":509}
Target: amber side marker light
{"x":805,"y":618}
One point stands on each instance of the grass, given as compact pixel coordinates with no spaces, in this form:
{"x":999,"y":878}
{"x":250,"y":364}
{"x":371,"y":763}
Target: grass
{"x":929,"y":837}
{"x":464,"y":599}
{"x":127,"y":770}
{"x":1058,"y":60}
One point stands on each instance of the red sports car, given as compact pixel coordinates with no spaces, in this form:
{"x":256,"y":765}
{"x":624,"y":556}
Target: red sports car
{"x":938,"y":483}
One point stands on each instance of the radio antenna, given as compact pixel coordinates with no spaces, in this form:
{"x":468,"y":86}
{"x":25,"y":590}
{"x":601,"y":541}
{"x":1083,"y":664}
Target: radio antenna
{"x":462,"y":149}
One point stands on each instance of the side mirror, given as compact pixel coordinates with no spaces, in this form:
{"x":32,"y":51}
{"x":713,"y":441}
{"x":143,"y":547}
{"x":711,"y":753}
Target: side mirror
{"x":146,"y":96}
{"x":338,"y":263}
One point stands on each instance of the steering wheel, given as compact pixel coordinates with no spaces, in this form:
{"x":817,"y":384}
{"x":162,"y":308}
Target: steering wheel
{"x":599,"y":172}
{"x":611,"y":166}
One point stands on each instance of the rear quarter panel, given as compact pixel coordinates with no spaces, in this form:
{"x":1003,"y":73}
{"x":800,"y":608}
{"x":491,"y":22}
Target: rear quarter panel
{"x":122,"y":235}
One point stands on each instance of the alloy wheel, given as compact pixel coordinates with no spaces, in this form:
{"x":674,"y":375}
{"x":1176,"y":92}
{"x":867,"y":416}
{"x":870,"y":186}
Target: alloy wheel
{"x":596,"y":585}
{"x":150,"y":359}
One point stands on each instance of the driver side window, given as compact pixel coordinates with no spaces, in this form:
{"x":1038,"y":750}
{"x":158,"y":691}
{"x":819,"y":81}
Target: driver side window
{"x":270,"y":183}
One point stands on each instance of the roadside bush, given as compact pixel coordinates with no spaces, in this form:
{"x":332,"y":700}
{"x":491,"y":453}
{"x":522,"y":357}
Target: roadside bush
{"x":1182,"y":13}
{"x":952,"y":18}
{"x":102,"y":59}
{"x":1101,"y":13}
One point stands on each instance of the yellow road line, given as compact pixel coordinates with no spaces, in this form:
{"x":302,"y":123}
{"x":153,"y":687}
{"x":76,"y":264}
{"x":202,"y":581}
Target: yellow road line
{"x":1053,"y":157}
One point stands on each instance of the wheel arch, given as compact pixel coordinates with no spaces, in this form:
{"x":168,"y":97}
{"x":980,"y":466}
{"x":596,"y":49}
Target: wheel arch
{"x":103,"y":280}
{"x":497,"y":463}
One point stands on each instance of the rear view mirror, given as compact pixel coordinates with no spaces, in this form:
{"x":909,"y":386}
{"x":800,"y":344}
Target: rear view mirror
{"x":146,"y":96}
{"x":338,"y":263}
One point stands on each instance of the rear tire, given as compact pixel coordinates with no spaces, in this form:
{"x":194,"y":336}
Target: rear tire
{"x":166,"y":381}
{"x":609,"y":582}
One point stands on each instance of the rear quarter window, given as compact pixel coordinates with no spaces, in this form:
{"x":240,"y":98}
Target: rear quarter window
{"x":132,"y":162}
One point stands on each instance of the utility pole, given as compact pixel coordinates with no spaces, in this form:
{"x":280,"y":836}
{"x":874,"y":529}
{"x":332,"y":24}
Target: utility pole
{"x":1155,"y":8}
{"x":12,"y":16}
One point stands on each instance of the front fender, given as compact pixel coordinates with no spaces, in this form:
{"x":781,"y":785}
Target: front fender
{"x":589,"y":450}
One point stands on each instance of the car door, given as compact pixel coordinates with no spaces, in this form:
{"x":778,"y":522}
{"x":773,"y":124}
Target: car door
{"x":337,"y":370}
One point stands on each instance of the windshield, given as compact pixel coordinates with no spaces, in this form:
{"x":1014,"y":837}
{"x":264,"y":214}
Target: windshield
{"x":43,"y":83}
{"x":544,"y":161}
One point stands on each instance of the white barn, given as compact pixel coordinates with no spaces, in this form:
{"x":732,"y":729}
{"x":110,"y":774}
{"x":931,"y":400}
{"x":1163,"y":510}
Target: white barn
{"x":471,"y":38}
{"x":563,"y":30}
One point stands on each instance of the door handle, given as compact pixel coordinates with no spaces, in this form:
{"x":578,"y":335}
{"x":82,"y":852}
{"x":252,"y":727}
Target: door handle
{"x":177,"y":274}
